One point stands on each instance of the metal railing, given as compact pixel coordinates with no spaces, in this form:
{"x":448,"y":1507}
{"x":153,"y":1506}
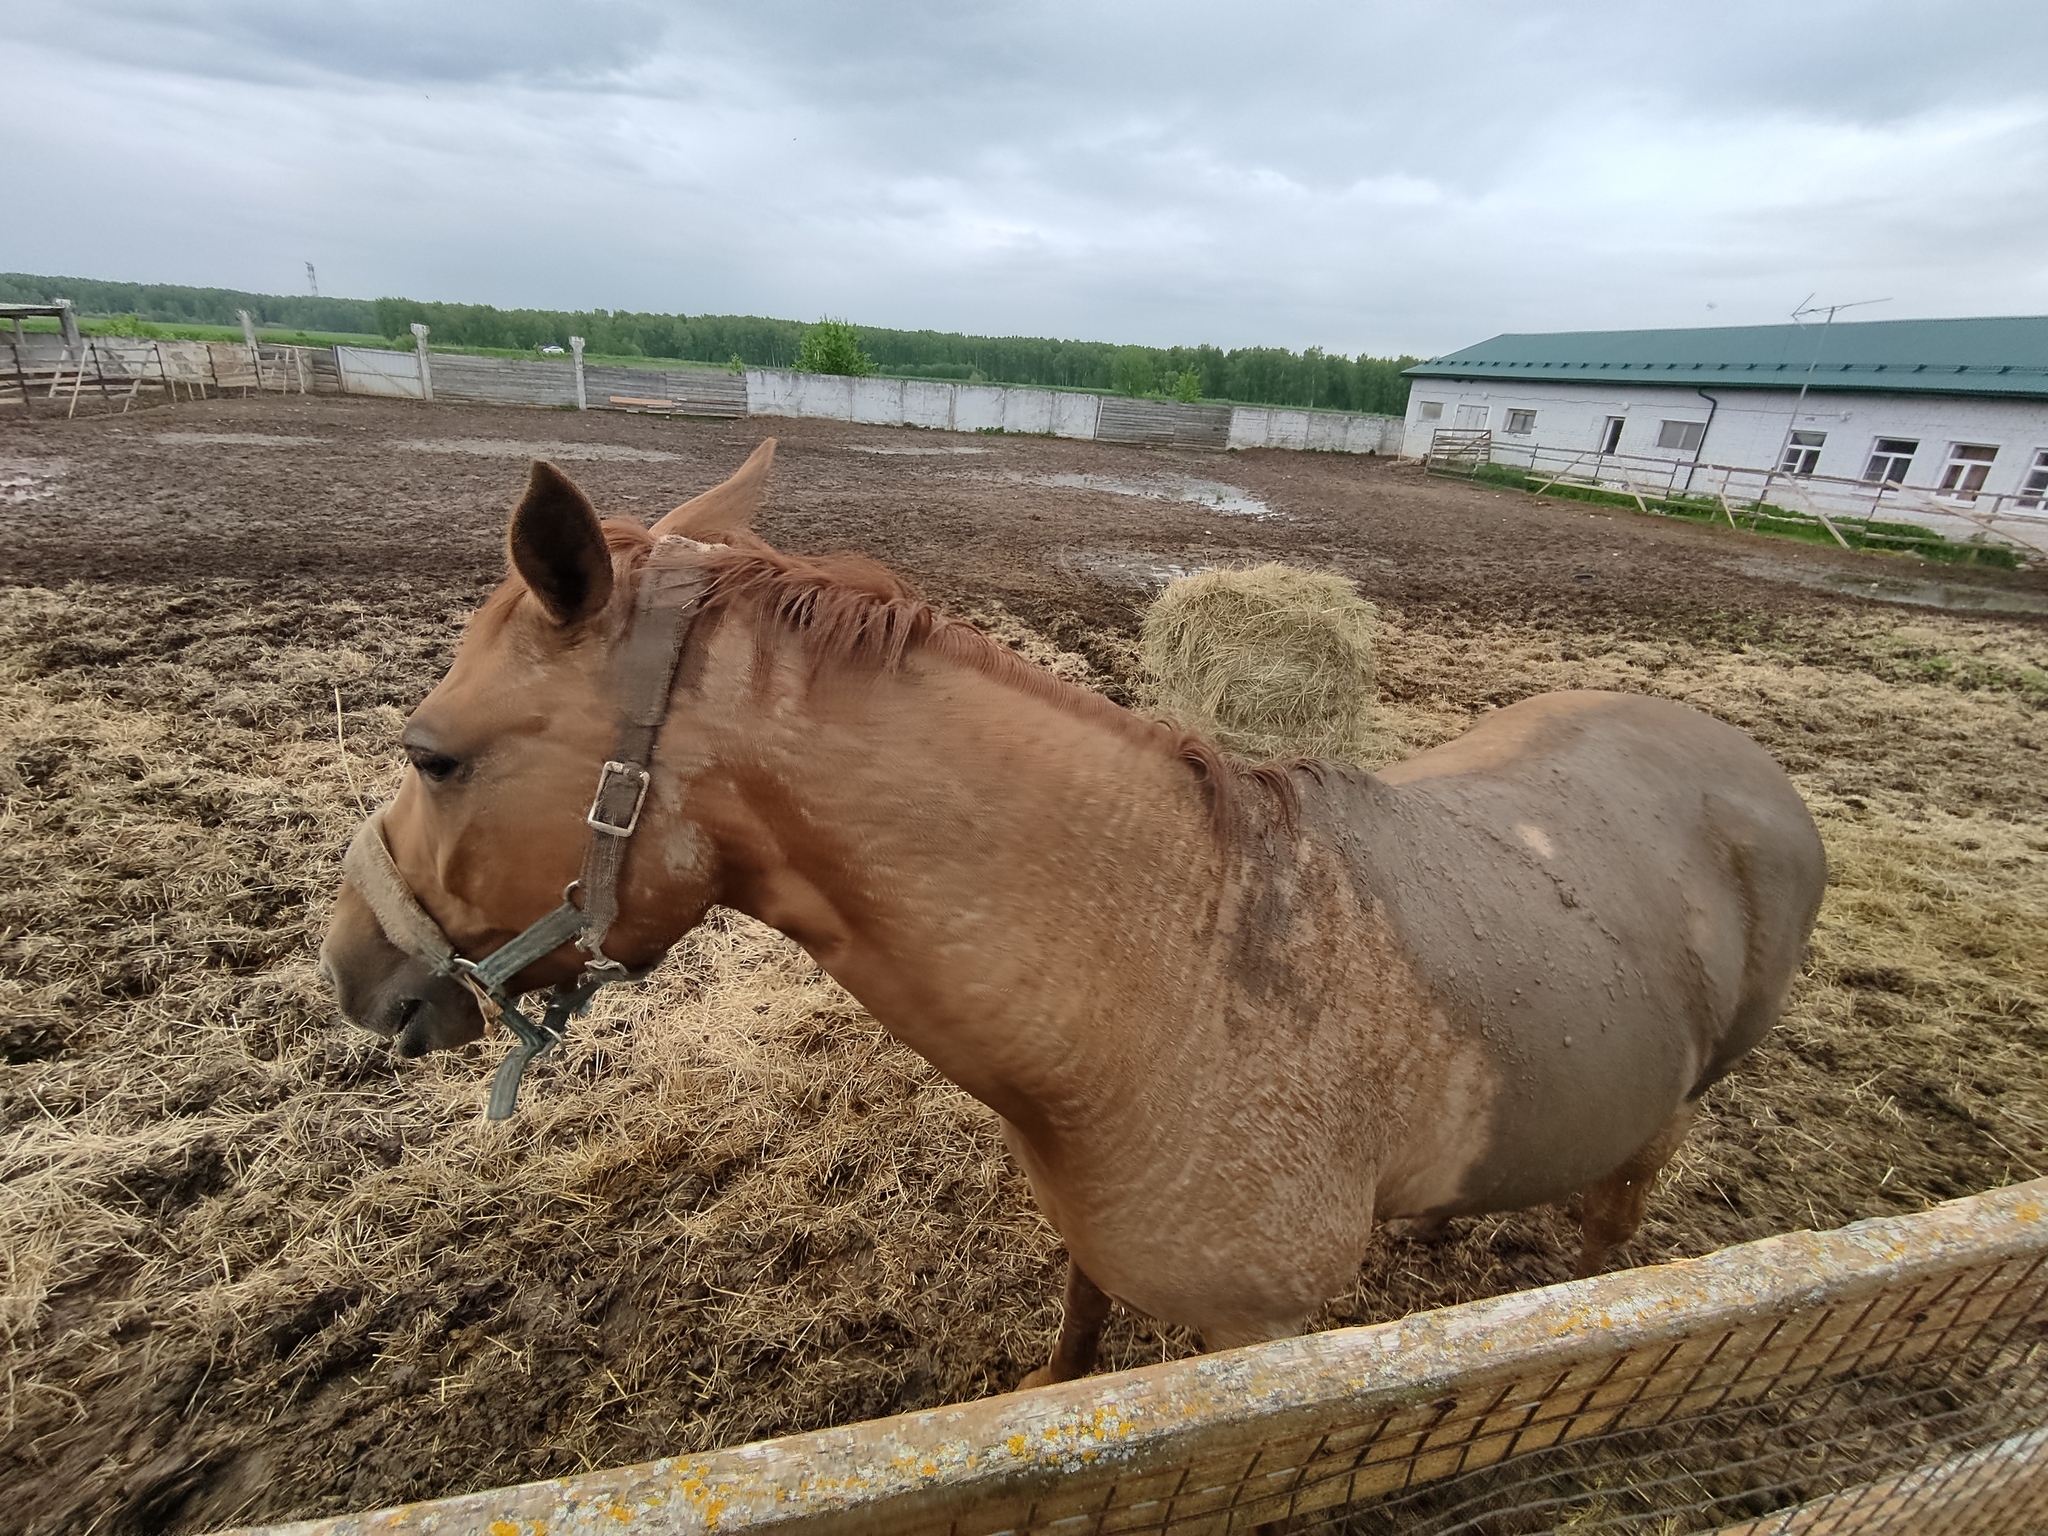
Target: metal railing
{"x":1886,"y":1378}
{"x":2019,"y":517}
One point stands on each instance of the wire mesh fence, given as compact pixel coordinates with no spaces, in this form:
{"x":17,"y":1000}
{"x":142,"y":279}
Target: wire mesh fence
{"x":1875,"y":1412}
{"x":1887,"y":1378}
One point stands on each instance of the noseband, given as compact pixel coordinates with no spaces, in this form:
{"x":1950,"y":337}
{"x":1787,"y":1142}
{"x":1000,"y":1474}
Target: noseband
{"x":669,"y":599}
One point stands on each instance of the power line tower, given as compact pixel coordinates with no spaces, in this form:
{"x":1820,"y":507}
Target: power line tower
{"x":312,"y":280}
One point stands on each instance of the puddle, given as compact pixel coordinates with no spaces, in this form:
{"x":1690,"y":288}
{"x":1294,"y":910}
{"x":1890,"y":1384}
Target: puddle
{"x":29,"y":479}
{"x":1213,"y":495}
{"x":1955,"y":596}
{"x":1137,"y":570}
{"x":239,"y":439}
{"x":501,"y":448}
{"x":892,"y":448}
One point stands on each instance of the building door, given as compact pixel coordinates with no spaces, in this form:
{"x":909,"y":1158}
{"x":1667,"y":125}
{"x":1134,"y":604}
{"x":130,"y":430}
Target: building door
{"x":1610,"y":435}
{"x":1472,"y":418}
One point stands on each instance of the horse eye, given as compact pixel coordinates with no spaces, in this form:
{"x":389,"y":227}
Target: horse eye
{"x":436,"y":766}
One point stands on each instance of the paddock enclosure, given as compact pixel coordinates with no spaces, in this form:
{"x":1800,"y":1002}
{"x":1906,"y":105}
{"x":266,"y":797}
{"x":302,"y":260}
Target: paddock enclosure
{"x":258,"y":1270}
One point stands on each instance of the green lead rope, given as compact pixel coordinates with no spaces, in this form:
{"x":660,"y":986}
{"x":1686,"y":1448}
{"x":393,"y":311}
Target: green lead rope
{"x":534,"y":1040}
{"x":495,"y":971}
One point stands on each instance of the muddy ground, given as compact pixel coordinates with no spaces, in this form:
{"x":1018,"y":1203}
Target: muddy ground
{"x":257,"y":1268}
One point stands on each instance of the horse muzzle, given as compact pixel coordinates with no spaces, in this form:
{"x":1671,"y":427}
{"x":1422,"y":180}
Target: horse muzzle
{"x":392,"y":994}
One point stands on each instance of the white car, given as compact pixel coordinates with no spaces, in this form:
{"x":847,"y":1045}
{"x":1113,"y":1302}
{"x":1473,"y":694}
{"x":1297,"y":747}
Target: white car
{"x":551,"y":350}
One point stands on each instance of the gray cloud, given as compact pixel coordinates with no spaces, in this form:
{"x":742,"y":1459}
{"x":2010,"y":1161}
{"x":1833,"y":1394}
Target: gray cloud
{"x":1365,"y":177}
{"x":388,"y":41}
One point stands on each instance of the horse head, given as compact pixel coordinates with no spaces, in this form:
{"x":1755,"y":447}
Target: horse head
{"x":488,"y":831}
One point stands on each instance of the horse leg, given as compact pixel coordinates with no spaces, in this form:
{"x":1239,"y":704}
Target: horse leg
{"x":1080,"y":1332}
{"x":1613,"y":1208}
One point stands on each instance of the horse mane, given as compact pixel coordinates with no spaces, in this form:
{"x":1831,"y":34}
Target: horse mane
{"x":851,"y":610}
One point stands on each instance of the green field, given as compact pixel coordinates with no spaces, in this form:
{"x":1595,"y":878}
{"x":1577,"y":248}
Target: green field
{"x":129,"y":325}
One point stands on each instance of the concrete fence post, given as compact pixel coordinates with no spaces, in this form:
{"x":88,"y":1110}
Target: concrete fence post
{"x":419,"y":340}
{"x":67,"y":321}
{"x":576,"y":362}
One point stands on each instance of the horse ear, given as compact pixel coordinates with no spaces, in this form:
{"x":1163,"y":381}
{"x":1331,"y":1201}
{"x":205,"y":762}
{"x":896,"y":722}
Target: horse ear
{"x":557,"y":545}
{"x":726,"y":508}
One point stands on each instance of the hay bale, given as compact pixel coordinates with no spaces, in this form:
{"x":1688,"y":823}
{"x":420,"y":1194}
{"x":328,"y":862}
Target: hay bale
{"x":1270,"y":662}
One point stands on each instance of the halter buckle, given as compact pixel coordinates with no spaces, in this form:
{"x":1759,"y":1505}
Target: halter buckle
{"x":614,"y":775}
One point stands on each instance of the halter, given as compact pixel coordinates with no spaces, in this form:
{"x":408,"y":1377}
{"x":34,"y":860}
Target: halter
{"x":669,"y":599}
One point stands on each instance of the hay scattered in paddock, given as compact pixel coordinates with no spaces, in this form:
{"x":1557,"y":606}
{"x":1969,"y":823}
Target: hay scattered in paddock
{"x":1271,"y":661}
{"x":255,"y":1266}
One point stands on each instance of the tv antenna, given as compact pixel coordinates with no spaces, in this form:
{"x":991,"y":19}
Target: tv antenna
{"x":312,"y":280}
{"x":1807,"y":308}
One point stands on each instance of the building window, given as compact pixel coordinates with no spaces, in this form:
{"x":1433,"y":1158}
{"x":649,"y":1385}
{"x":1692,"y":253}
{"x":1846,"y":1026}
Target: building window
{"x":1610,"y":435}
{"x":2034,"y":489}
{"x":1890,"y":460}
{"x":1802,"y":453}
{"x":1969,"y":465}
{"x":1431,"y":410}
{"x":1521,"y":423}
{"x":1685,"y":436}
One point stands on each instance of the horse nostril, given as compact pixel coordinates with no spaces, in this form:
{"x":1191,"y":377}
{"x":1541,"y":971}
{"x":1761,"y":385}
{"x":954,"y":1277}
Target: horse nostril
{"x":411,"y":1042}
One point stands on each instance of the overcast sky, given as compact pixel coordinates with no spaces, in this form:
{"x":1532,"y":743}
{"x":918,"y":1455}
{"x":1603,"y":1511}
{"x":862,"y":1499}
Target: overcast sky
{"x":1365,"y":177}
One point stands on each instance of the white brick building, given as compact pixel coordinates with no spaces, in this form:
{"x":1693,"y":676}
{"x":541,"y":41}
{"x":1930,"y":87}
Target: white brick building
{"x":1956,"y":409}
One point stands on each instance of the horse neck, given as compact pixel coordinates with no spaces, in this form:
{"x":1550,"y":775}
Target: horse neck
{"x":986,"y":865}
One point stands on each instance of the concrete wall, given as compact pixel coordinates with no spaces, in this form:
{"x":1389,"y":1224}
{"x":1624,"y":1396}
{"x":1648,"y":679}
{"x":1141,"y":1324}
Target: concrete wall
{"x":1060,"y":413}
{"x":544,"y":383}
{"x":921,"y":403}
{"x":1315,"y":431}
{"x":1748,"y":426}
{"x":932,"y":403}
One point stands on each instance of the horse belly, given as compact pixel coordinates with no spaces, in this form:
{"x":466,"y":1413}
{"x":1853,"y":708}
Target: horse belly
{"x":1579,"y":911}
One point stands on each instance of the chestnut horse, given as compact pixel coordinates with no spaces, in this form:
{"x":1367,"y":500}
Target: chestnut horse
{"x":1230,"y":1017}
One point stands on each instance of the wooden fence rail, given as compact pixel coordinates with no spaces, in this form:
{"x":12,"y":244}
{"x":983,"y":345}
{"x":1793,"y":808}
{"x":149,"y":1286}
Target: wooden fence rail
{"x":1885,"y":1380}
{"x":42,"y":374}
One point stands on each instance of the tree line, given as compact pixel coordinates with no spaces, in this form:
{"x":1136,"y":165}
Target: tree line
{"x":174,"y":304}
{"x":1252,"y":375}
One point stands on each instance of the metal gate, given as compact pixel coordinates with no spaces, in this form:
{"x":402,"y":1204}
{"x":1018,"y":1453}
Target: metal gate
{"x":369,"y":371}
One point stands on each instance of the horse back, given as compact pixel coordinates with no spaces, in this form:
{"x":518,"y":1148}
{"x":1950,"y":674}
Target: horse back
{"x":1609,"y":894}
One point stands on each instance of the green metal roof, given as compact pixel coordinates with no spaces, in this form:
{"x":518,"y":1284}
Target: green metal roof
{"x":1997,"y":356}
